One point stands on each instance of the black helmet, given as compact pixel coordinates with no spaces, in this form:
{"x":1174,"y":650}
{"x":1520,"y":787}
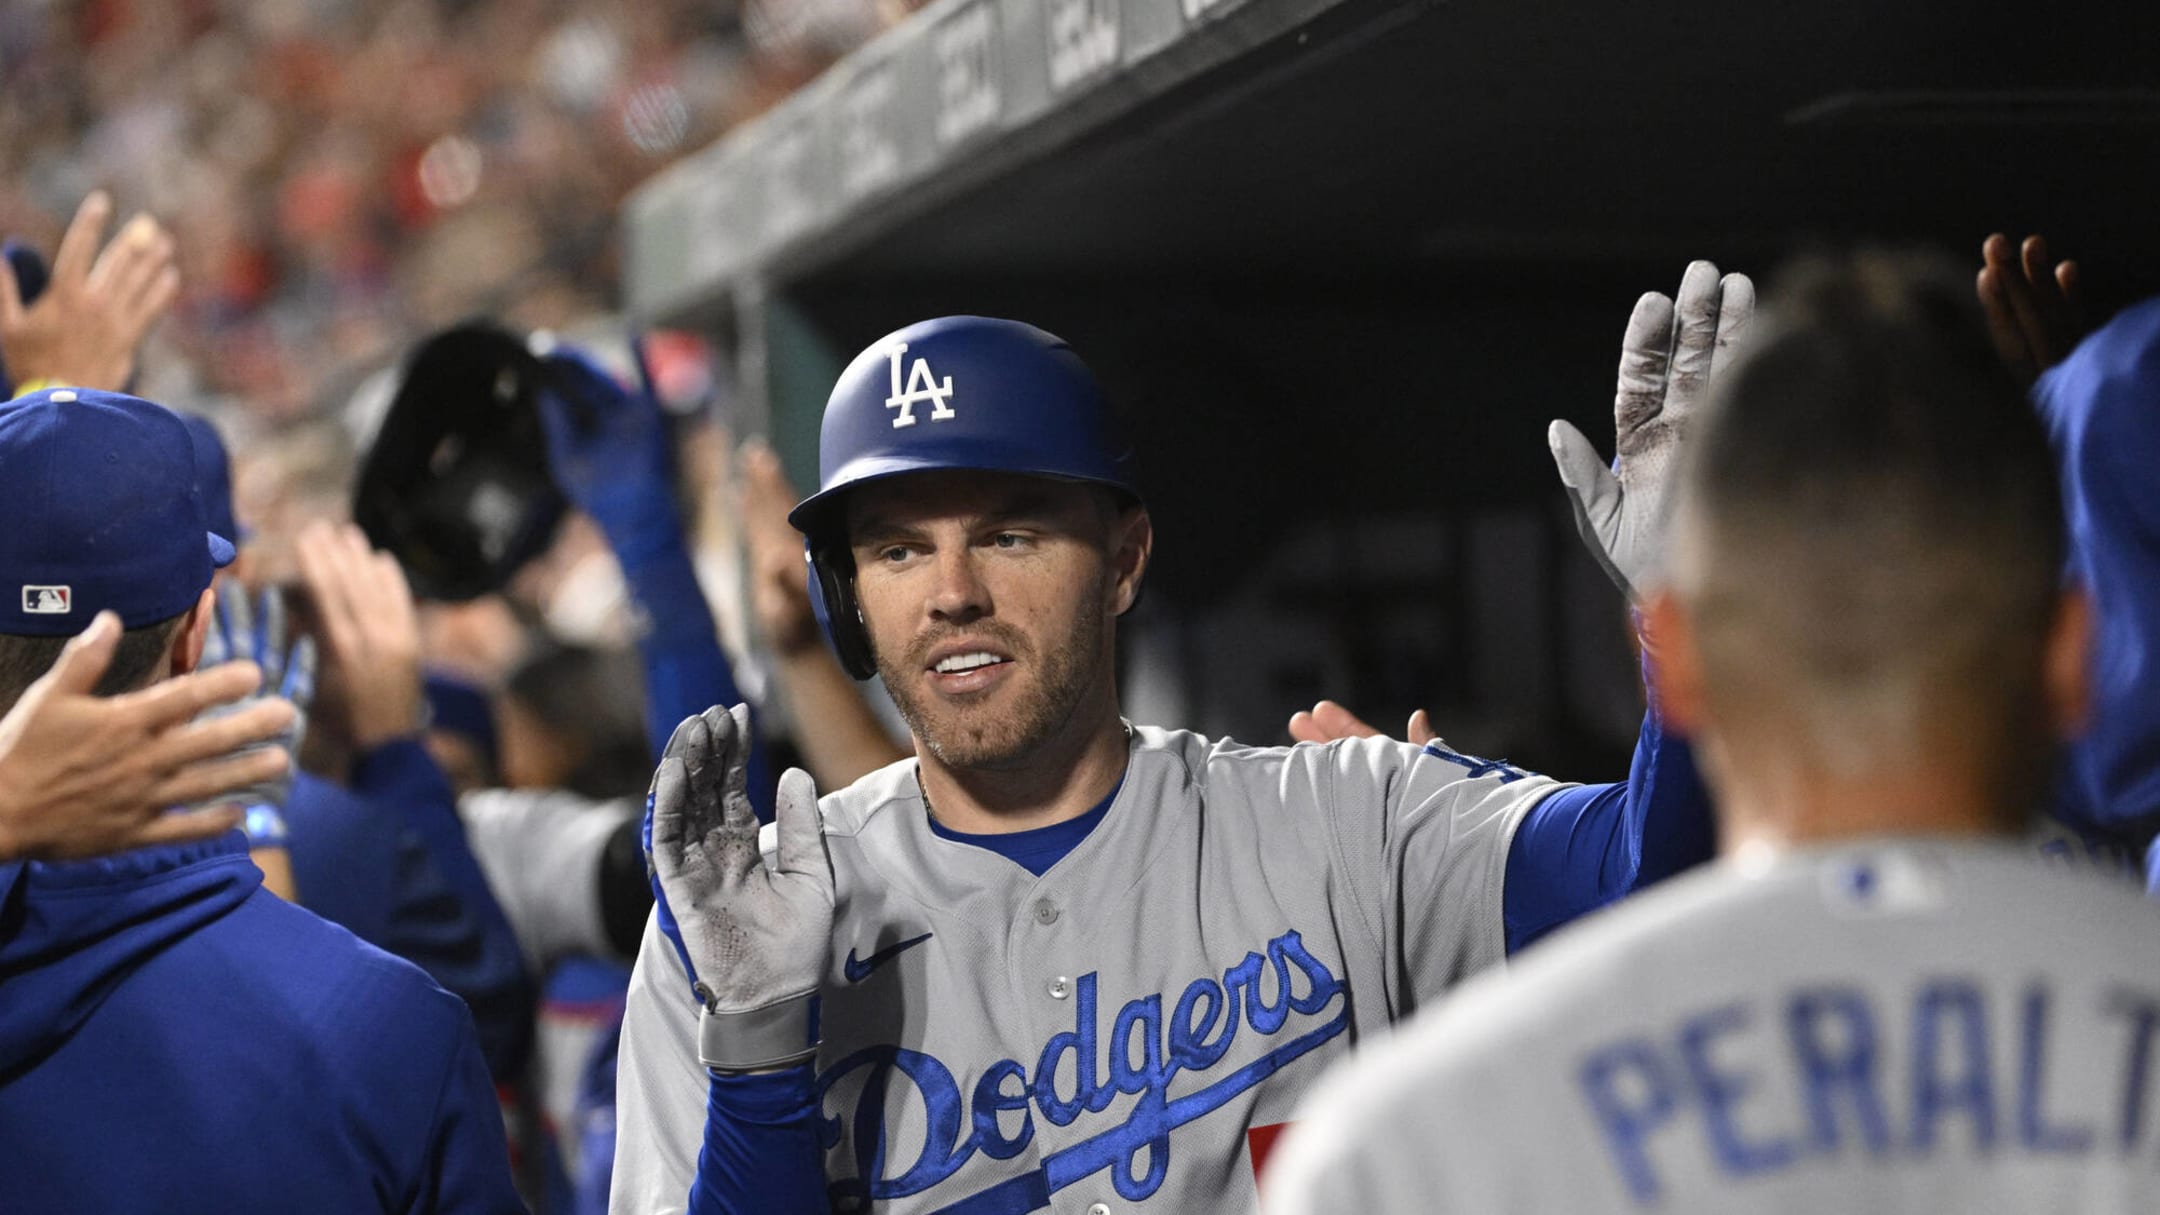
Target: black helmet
{"x":456,"y":485}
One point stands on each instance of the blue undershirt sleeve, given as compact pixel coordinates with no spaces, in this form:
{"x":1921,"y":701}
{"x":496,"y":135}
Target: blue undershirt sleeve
{"x":761,"y":1152}
{"x":686,"y":672}
{"x":1584,"y":847}
{"x":445,"y":918}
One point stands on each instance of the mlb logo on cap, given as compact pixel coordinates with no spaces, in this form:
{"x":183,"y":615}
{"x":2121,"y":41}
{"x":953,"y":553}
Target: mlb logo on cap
{"x":98,"y":493}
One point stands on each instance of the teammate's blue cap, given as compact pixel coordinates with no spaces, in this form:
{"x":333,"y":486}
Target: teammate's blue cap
{"x":213,"y":476}
{"x":461,"y":708}
{"x":102,"y":512}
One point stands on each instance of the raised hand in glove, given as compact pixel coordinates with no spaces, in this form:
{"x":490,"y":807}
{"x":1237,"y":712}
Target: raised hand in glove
{"x":1668,"y":358}
{"x":257,"y":633}
{"x":608,"y":448}
{"x":755,"y":939}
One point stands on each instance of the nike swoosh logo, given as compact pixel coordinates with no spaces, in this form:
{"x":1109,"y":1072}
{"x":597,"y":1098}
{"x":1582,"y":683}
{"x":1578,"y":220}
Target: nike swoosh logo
{"x":858,"y":969}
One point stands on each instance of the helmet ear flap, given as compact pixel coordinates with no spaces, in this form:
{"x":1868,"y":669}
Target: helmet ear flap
{"x":832,"y":601}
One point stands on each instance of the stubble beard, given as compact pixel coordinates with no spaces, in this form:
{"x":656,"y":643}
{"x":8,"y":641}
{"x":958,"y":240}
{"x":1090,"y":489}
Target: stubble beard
{"x":1052,"y":685}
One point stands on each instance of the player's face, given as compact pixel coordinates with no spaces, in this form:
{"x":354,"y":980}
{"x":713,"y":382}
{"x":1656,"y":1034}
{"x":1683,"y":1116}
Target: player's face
{"x":989,"y":599}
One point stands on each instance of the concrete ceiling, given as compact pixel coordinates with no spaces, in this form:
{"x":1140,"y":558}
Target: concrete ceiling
{"x":1386,"y":139}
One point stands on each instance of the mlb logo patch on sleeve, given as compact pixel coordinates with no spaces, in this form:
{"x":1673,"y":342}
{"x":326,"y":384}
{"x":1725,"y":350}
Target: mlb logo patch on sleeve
{"x":48,"y":600}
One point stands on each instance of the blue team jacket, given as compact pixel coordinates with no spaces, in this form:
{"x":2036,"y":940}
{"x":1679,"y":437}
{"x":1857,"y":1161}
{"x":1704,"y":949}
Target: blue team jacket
{"x":175,"y":1038}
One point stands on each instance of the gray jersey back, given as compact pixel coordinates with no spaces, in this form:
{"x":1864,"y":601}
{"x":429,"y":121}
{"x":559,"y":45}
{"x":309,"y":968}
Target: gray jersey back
{"x":1110,"y":1032}
{"x":1903,"y":1026}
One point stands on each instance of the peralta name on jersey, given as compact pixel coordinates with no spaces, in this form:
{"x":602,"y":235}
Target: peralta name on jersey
{"x":1954,"y":1066}
{"x":1082,"y":1072}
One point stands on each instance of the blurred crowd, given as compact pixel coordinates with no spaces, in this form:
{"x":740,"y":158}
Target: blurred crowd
{"x":343,"y":177}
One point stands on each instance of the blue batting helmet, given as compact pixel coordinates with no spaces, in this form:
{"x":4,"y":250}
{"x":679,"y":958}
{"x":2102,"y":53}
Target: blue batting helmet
{"x":959,"y":392}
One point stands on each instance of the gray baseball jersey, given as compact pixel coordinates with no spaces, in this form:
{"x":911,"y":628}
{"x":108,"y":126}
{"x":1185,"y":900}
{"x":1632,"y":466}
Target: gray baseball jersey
{"x":1895,"y":1026}
{"x":1119,"y":1033}
{"x":540,"y":851}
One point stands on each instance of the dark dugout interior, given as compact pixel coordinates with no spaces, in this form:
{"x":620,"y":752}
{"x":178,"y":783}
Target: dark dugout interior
{"x":1341,"y":283}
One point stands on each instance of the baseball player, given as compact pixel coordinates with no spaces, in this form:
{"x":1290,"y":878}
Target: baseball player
{"x":1880,"y":999}
{"x":1055,"y":960}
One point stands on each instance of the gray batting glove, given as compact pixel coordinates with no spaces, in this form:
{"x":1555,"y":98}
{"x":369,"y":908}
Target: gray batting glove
{"x":238,"y":630}
{"x":1667,"y":361}
{"x":757,"y":939}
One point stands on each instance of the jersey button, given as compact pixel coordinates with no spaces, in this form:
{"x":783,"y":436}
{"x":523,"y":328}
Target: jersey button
{"x":1100,"y":1208}
{"x":1060,"y":987}
{"x":1046,"y":912}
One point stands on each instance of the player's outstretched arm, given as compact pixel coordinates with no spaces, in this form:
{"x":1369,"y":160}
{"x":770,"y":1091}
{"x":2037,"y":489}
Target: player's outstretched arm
{"x":1581,"y":848}
{"x":754,"y":940}
{"x":82,"y":774}
{"x":1672,"y":351}
{"x":608,"y":449}
{"x":1578,"y":848}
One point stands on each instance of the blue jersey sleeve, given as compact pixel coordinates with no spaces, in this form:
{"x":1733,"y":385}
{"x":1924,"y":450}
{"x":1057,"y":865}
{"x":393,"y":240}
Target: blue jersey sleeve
{"x":1584,"y":847}
{"x":345,"y":857}
{"x":761,"y":1151}
{"x":686,"y":672}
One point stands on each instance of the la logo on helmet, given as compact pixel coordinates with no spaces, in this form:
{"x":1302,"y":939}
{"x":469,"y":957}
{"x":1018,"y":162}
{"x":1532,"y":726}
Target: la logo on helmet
{"x":921,"y":386}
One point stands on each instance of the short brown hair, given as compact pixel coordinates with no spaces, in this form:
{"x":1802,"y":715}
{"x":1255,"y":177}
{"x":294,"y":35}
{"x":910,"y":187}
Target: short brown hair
{"x":24,"y":660}
{"x":1870,"y":531}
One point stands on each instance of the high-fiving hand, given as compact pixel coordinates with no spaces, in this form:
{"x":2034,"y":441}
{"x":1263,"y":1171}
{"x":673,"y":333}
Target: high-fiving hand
{"x":82,"y":774}
{"x":779,"y":579}
{"x":1668,"y":358}
{"x":365,"y":614}
{"x":97,"y":307}
{"x":2035,"y":313}
{"x":257,"y":632}
{"x":755,"y":939}
{"x":609,"y":449}
{"x":1328,"y":721}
